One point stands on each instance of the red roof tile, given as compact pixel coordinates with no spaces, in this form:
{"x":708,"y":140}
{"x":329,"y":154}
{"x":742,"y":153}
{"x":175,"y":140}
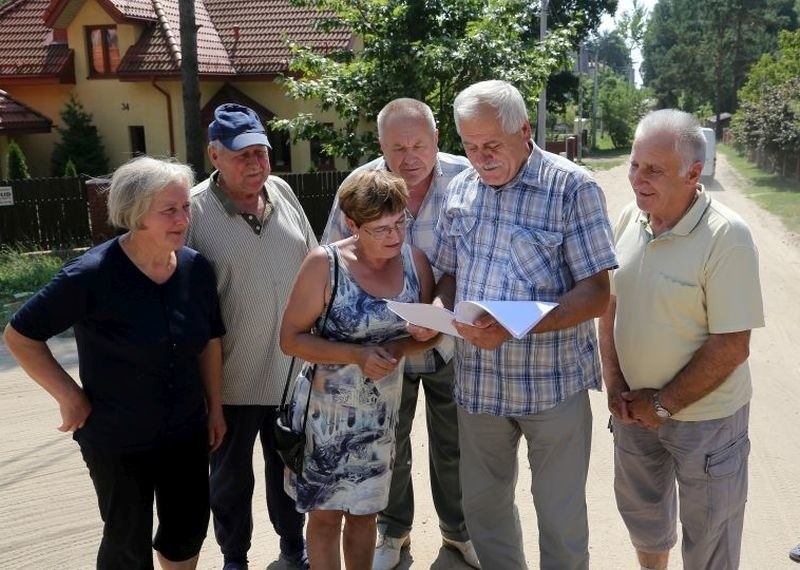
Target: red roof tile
{"x":235,"y":37}
{"x":26,"y":48}
{"x":255,"y":32}
{"x":158,"y":49}
{"x":17,"y":118}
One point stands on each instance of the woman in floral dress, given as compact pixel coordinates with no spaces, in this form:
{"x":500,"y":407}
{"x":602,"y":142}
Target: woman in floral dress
{"x":359,"y":351}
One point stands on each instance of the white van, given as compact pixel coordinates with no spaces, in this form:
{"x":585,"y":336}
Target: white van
{"x":710,"y":166}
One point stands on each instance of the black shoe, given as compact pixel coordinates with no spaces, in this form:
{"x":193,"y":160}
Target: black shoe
{"x":297,"y":560}
{"x":234,"y":566}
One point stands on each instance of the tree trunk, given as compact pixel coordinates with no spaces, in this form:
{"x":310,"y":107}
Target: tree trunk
{"x":190,"y":86}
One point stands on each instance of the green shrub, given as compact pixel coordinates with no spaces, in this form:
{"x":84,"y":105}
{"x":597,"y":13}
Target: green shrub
{"x":17,"y":165}
{"x":69,"y":170}
{"x":22,"y":274}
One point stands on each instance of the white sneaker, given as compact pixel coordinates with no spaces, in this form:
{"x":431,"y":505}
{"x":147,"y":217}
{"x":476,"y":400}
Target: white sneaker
{"x":466,"y":550}
{"x":387,"y":551}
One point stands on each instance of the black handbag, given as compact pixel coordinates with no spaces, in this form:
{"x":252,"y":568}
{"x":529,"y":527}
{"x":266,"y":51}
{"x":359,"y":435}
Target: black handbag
{"x":289,"y":444}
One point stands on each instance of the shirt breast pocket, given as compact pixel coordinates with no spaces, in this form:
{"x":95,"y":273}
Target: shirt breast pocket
{"x":534,"y":255}
{"x":678,"y":303}
{"x":461,"y":232}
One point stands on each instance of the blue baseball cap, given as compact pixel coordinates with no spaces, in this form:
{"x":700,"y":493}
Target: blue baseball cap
{"x":237,"y":127}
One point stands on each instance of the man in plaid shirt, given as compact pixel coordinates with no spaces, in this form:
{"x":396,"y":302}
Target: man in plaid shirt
{"x":523,"y":225}
{"x":408,"y":137}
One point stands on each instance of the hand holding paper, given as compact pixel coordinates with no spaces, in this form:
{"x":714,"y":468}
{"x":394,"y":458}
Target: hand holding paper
{"x":518,"y":317}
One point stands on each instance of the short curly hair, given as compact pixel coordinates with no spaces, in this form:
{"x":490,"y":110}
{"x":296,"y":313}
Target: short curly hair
{"x":368,"y":195}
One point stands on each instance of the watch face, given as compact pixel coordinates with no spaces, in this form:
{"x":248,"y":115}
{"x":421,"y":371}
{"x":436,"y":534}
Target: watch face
{"x":661,"y":412}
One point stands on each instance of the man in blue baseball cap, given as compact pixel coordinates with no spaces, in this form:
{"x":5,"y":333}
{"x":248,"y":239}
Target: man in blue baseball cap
{"x":252,"y":228}
{"x":237,"y":127}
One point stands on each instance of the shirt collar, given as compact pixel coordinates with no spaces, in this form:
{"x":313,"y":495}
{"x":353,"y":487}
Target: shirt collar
{"x":690,"y":218}
{"x":529,"y":174}
{"x":224,"y":199}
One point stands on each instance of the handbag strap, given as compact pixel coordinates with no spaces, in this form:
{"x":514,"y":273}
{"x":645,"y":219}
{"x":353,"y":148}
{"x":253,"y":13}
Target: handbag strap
{"x":329,"y":250}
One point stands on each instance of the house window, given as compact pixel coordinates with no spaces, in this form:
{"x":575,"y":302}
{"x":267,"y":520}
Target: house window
{"x":136,"y":135}
{"x":319,"y":158}
{"x":101,"y":43}
{"x":280,"y":157}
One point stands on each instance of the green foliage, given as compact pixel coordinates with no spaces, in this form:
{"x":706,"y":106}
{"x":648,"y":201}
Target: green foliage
{"x":769,"y":116}
{"x":611,"y":50}
{"x":22,"y":273}
{"x":80,"y":142}
{"x":17,"y":165}
{"x":622,"y":105}
{"x":426,"y":49}
{"x":69,"y":169}
{"x":770,"y":191}
{"x":699,"y":53}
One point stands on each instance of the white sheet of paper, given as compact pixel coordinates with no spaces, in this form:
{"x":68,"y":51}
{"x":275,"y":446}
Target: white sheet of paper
{"x":518,"y":317}
{"x":424,"y":315}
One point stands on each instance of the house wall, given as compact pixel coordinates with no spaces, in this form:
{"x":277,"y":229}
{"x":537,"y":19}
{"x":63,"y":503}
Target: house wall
{"x":48,"y":100}
{"x":116,"y":105}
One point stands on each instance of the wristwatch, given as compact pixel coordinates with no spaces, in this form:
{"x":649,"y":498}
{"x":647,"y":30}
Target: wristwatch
{"x":661,"y":411}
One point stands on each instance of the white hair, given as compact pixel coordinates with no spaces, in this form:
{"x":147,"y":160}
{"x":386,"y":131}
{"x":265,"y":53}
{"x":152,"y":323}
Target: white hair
{"x":135,"y":183}
{"x":501,"y":96}
{"x":405,"y":107}
{"x":689,"y":142}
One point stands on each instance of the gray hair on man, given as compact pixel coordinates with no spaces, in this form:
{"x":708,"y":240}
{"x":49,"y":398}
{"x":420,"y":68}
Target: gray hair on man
{"x":406,"y":107}
{"x":501,"y":96}
{"x":135,"y":183}
{"x":690,"y":144}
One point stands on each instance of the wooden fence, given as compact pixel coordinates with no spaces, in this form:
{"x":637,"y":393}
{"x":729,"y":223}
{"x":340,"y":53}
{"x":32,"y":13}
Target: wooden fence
{"x":55,"y":213}
{"x":785,"y":163}
{"x":315,"y":192}
{"x":44,"y":213}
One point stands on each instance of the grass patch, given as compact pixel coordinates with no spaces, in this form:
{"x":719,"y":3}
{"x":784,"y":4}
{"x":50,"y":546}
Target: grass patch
{"x":22,"y":274}
{"x":604,"y":159}
{"x":772,"y":192}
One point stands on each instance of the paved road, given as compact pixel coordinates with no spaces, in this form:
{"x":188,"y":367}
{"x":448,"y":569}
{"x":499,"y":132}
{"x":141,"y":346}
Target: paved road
{"x":49,"y":520}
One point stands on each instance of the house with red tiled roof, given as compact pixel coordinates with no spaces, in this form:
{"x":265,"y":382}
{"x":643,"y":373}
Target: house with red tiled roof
{"x":122,"y":58}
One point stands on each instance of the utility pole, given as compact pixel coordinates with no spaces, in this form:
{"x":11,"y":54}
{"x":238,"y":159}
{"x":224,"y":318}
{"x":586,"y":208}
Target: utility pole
{"x":594,"y":98}
{"x":541,"y":114}
{"x":580,"y":102}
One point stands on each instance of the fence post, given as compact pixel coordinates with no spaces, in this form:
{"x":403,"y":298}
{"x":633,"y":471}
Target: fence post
{"x":97,"y":196}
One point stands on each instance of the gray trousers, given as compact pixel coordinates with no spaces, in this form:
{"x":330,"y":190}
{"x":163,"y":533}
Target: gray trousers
{"x":708,"y":460}
{"x":443,"y":456}
{"x":559,"y":443}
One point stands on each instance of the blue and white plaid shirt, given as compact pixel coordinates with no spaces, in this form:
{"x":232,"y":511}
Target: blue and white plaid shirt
{"x":531,"y":239}
{"x":419,"y":232}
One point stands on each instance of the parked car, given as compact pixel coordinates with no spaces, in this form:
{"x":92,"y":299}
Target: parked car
{"x":710,"y":166}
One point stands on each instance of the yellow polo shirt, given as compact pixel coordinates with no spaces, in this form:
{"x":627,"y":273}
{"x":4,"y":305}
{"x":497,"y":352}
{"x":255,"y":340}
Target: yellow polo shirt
{"x":699,"y":278}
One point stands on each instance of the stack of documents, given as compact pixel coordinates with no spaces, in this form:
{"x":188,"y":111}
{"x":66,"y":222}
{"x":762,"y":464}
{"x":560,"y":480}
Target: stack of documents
{"x":517,"y":317}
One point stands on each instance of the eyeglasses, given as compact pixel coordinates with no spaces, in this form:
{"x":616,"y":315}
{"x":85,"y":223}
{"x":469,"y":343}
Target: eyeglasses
{"x":383,"y":232}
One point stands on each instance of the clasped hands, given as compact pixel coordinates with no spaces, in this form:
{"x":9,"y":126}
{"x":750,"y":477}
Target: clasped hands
{"x":634,"y":406}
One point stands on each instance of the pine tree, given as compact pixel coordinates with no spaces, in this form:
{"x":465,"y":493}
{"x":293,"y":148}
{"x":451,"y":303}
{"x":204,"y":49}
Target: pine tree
{"x":17,"y":165}
{"x":80,"y":142}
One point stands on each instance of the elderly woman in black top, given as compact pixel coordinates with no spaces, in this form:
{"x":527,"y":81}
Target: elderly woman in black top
{"x":147,"y":326}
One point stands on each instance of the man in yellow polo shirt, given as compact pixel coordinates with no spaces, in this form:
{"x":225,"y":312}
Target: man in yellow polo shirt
{"x":674,"y":342}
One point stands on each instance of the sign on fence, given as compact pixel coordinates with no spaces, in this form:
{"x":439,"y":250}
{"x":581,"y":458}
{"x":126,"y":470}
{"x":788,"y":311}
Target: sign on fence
{"x":6,"y":196}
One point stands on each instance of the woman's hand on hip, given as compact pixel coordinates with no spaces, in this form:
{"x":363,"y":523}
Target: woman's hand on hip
{"x":74,"y":410}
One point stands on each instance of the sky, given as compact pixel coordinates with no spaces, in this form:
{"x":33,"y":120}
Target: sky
{"x":608,"y":24}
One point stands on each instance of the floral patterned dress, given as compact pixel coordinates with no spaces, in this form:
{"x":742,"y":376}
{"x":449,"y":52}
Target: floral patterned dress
{"x":351,"y":419}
